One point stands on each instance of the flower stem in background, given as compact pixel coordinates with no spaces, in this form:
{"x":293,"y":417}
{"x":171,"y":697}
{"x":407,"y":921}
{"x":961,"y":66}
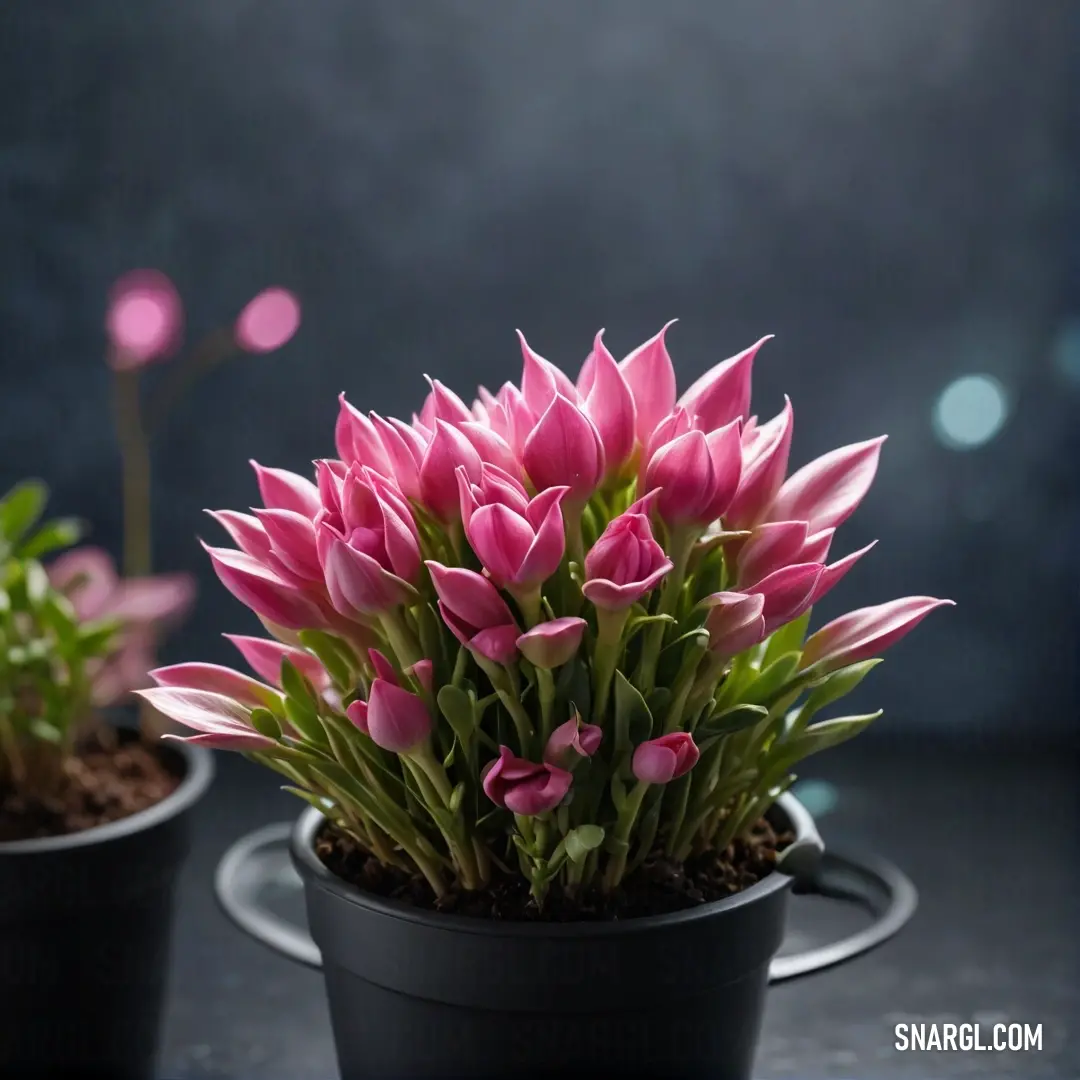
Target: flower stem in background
{"x":211,"y":352}
{"x":135,"y":465}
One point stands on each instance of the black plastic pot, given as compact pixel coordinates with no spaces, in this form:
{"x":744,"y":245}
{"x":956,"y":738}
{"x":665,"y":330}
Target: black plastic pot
{"x":416,"y":994}
{"x":85,"y":926}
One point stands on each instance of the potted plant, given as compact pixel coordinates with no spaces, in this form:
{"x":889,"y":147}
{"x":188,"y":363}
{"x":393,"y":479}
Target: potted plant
{"x":94,"y":811}
{"x":541,"y":668}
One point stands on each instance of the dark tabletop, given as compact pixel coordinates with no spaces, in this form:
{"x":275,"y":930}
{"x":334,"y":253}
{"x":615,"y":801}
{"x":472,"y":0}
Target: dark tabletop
{"x":989,"y":838}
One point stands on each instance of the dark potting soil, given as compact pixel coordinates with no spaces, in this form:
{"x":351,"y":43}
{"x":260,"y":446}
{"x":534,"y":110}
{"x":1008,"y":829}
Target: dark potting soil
{"x":658,"y":887}
{"x":112,"y":776}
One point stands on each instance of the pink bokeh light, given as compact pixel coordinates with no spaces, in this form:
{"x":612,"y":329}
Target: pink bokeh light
{"x":144,"y":319}
{"x":268,"y":321}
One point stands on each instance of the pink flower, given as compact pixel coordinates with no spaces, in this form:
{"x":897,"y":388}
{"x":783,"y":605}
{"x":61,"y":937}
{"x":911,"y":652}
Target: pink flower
{"x":475,"y":612}
{"x":552,"y":644}
{"x":649,"y":373}
{"x":218,"y":680}
{"x":765,"y":453}
{"x":286,"y":490}
{"x":367,"y":542}
{"x":571,"y":741}
{"x":610,"y":405}
{"x":144,"y":319}
{"x":565,"y":449}
{"x":862,"y":634}
{"x":145,"y":608}
{"x":264,"y":656}
{"x":268,"y":321}
{"x":522,"y":786}
{"x":787,"y":593}
{"x":221,"y":722}
{"x":520,"y":543}
{"x":265,"y":592}
{"x":661,"y":760}
{"x":826,"y":492}
{"x":735,"y":622}
{"x":625,"y":563}
{"x":541,"y":380}
{"x":448,"y":451}
{"x":697,"y":474}
{"x":722,"y":395}
{"x":395,"y":719}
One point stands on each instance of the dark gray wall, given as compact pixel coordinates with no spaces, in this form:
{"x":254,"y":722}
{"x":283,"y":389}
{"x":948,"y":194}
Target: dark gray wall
{"x":883,"y":185}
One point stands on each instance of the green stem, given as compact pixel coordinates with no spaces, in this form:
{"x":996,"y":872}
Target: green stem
{"x":575,"y":540}
{"x":135,"y":465}
{"x":682,"y":543}
{"x":546,"y":685}
{"x":184,"y":372}
{"x":529,"y":603}
{"x":401,"y":638}
{"x":610,"y":626}
{"x":616,"y":866}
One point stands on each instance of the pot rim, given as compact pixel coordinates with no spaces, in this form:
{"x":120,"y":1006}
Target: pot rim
{"x":312,"y":869}
{"x":199,"y":771}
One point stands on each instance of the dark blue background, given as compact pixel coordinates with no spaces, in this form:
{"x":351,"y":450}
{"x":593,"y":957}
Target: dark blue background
{"x":889,"y":188}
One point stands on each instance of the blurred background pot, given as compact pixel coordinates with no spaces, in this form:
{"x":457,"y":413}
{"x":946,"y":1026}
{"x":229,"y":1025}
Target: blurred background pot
{"x":85,"y":928}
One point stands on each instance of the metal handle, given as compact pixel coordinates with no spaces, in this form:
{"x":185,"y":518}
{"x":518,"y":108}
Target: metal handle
{"x":868,"y":881}
{"x":236,"y":885}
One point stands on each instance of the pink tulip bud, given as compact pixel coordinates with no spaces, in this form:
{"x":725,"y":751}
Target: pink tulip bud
{"x":264,"y":657}
{"x":662,"y":760}
{"x":222,"y":723}
{"x":565,"y":449}
{"x":446,"y":405}
{"x":357,"y":439}
{"x":862,"y":634}
{"x":396,"y":720}
{"x":832,"y":574}
{"x":383,"y":668}
{"x":552,"y":644}
{"x":765,"y":461}
{"x":358,"y":584}
{"x":448,"y":451}
{"x":541,"y":380}
{"x":698,"y":475}
{"x":423,"y":671}
{"x":522,"y":786}
{"x":610,"y":406}
{"x":787,"y":592}
{"x":735,"y":622}
{"x":625,"y":563}
{"x":246,"y":531}
{"x":770,"y":547}
{"x":284,"y":490}
{"x":144,"y":319}
{"x":268,"y":321}
{"x":649,"y":373}
{"x":404,"y":448}
{"x":475,"y":612}
{"x":826,"y":492}
{"x":292,"y":541}
{"x":218,"y":680}
{"x":519,"y":550}
{"x":722,"y":394}
{"x":263,"y":591}
{"x":571,"y":741}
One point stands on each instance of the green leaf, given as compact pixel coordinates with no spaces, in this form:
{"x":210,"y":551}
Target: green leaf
{"x":835,"y":686}
{"x":771,"y":681}
{"x":21,"y":508}
{"x":813,"y":740}
{"x":456,"y":797}
{"x":575,"y":686}
{"x":265,"y":723}
{"x":52,"y":536}
{"x":320,"y":802}
{"x":658,"y":701}
{"x":641,"y":621}
{"x":305,"y":722}
{"x":298,"y":689}
{"x":333,"y":654}
{"x":633,"y":721}
{"x":460,"y":711}
{"x":737,"y":718}
{"x":37,"y":582}
{"x":42,"y":729}
{"x":580,"y":841}
{"x":788,"y":638}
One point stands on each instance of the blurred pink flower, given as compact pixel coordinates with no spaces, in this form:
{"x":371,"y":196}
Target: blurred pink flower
{"x":268,"y":321}
{"x":145,"y":607}
{"x":144,"y":319}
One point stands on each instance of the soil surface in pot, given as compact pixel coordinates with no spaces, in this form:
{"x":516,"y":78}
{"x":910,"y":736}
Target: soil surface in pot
{"x":112,"y":776}
{"x":658,"y":887}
